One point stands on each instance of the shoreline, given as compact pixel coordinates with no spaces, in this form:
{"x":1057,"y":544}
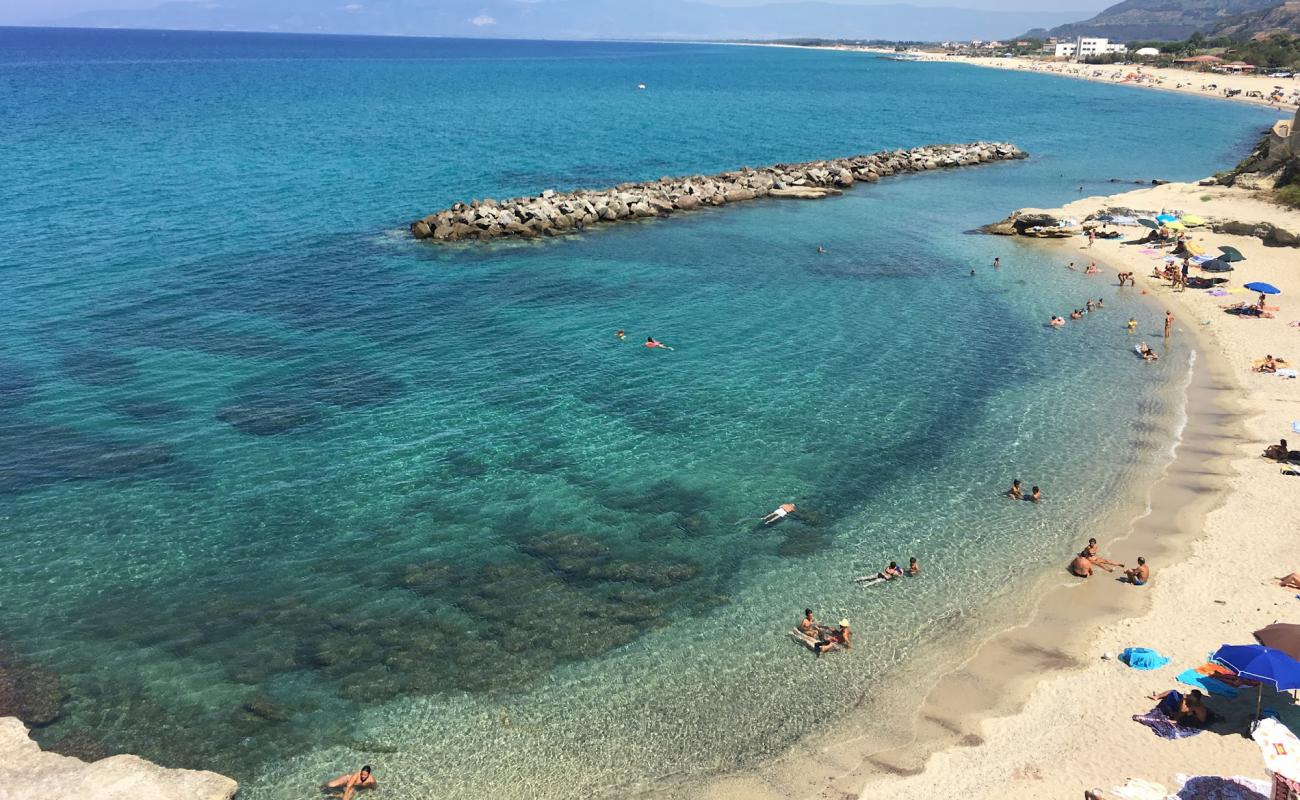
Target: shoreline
{"x":1000,"y":670}
{"x":1168,"y":79}
{"x":1205,"y":510}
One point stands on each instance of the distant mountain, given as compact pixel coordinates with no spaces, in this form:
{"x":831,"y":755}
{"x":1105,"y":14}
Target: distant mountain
{"x":1158,"y":19}
{"x":579,"y":19}
{"x":1279,"y":19}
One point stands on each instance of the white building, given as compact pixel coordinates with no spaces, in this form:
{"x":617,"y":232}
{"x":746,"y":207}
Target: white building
{"x":1083,"y":48}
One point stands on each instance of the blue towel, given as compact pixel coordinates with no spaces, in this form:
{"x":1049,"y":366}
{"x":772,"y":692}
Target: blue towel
{"x":1142,"y":658}
{"x":1206,"y":684}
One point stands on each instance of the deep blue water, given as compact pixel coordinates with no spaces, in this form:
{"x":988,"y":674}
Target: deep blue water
{"x":260,"y":448}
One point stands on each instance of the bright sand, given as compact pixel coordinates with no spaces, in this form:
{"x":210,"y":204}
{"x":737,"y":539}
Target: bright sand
{"x":1167,"y":78}
{"x":1211,"y":571}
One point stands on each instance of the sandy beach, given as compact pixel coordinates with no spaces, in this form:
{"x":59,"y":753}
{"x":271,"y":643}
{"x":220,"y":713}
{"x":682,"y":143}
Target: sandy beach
{"x":1221,"y":591}
{"x":1205,"y":84}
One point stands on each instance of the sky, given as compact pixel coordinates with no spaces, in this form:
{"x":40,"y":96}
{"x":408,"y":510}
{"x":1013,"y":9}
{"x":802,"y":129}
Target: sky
{"x":24,"y":12}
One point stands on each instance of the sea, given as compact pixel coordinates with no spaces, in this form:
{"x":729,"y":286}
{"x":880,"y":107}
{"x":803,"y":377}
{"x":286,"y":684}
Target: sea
{"x":284,"y":491}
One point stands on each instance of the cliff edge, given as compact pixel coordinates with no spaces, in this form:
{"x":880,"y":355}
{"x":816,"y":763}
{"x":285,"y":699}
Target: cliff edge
{"x":26,"y":773}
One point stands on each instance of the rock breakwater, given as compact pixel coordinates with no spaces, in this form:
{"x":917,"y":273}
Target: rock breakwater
{"x":554,"y":213}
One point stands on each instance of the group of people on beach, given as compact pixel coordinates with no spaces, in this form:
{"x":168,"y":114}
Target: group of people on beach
{"x":1090,"y":556}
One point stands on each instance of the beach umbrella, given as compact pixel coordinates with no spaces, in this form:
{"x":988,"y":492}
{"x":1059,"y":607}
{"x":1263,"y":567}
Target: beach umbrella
{"x":1175,"y":225}
{"x":1192,"y":221}
{"x":1263,"y":288}
{"x":1259,"y":663}
{"x":1281,"y":636}
{"x":1215,"y":265}
{"x":1195,"y":248}
{"x":1149,"y":223}
{"x":1166,"y":218}
{"x":1231,"y":254}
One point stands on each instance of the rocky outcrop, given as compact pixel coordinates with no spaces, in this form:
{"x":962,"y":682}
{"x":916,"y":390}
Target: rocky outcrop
{"x":28,"y":691}
{"x":554,"y":213}
{"x":27,"y":772}
{"x":1266,"y":232}
{"x":1032,"y":222}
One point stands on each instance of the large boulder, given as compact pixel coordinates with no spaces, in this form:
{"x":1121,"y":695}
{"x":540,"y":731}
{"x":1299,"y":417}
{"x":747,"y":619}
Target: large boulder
{"x":27,"y":772}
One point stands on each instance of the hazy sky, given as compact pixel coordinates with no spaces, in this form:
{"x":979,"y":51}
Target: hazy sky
{"x":28,"y":11}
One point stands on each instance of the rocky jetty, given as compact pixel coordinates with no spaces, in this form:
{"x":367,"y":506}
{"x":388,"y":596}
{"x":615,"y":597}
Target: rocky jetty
{"x":25,"y":771}
{"x":554,"y":213}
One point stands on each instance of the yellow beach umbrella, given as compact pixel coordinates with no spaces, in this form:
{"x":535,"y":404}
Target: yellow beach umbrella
{"x":1192,"y":221}
{"x":1175,"y":225}
{"x":1196,"y":248}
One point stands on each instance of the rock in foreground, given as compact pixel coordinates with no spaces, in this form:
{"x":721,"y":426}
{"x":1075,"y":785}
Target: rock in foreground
{"x":551,"y":213}
{"x":27,"y":772}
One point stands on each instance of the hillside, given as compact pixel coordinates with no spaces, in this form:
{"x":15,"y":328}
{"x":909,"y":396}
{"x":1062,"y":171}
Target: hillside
{"x":1280,"y":19}
{"x":1158,"y":19}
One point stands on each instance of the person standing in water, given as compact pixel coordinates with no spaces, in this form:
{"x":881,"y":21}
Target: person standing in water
{"x":997,"y":262}
{"x":1015,"y":492}
{"x":1132,"y":325}
{"x":1035,"y":496}
{"x":1169,"y":323}
{"x":913,"y":568}
{"x":652,"y":343}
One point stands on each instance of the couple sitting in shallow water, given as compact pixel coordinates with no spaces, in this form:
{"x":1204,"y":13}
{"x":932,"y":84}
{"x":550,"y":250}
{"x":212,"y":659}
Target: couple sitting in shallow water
{"x":1090,"y":557}
{"x":1017,"y":493}
{"x":821,"y":638}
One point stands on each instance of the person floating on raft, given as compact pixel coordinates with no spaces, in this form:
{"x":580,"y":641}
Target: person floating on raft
{"x":652,"y":343}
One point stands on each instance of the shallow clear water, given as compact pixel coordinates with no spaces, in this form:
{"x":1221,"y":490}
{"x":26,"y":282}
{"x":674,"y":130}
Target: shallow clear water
{"x":419,"y":505}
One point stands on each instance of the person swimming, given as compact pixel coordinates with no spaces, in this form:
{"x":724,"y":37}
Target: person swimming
{"x":1147,"y":353}
{"x":1057,"y":322}
{"x":781,"y":512}
{"x":808,"y":626}
{"x":652,"y":343}
{"x":1015,"y":492}
{"x":913,"y":568}
{"x":620,"y":334}
{"x":352,"y":781}
{"x":1132,"y":325}
{"x":840,"y":637}
{"x":890,"y":572}
{"x":1035,"y":496}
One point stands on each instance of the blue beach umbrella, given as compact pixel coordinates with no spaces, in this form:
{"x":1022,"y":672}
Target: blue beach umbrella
{"x":1166,"y":218}
{"x":1259,"y":663}
{"x":1263,"y":288}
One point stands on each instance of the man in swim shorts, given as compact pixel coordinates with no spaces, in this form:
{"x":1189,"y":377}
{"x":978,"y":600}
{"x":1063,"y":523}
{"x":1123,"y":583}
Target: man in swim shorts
{"x":1081,"y":567}
{"x":780,"y":513}
{"x":808,"y":626}
{"x":1015,"y":492}
{"x":1139,"y":575}
{"x":352,"y":781}
{"x":1035,"y":496}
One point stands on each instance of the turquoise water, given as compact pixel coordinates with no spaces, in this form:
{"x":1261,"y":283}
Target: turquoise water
{"x":420,"y":507}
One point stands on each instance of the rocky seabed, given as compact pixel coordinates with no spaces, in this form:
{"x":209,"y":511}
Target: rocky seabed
{"x":554,"y":213}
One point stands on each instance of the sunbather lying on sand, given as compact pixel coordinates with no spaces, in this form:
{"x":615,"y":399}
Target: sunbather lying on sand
{"x":1280,"y":452}
{"x":1291,"y":581}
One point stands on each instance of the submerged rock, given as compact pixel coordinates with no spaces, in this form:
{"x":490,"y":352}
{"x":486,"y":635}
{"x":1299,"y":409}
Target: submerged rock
{"x":28,"y":692}
{"x":26,"y":771}
{"x":268,"y":415}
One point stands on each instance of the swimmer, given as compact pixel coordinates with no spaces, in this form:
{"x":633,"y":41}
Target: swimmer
{"x":913,"y":568}
{"x":1087,"y":307}
{"x":1057,"y":322}
{"x":997,"y":262}
{"x":890,"y":572}
{"x":780,"y":513}
{"x":1015,"y":492}
{"x":1132,"y":325}
{"x":352,"y":781}
{"x":620,"y":334}
{"x":1147,"y":353}
{"x":1092,"y":269}
{"x":840,"y":636}
{"x":652,"y":343}
{"x":1076,"y":314}
{"x":821,"y":249}
{"x":808,"y":626}
{"x":1035,"y":496}
{"x":1070,"y":267}
{"x":972,"y":273}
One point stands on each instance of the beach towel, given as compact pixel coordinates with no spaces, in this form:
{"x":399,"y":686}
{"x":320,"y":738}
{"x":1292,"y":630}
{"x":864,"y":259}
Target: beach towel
{"x":1157,"y":719}
{"x":1213,"y":787}
{"x":1295,"y":427}
{"x":1142,"y":658}
{"x":1206,"y":683}
{"x":1288,"y":373}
